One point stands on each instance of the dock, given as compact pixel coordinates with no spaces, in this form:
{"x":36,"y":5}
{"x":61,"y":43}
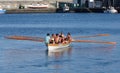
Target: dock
{"x":17,"y":11}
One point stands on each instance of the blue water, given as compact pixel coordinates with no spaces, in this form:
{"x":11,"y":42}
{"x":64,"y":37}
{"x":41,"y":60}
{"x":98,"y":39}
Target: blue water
{"x":18,"y":56}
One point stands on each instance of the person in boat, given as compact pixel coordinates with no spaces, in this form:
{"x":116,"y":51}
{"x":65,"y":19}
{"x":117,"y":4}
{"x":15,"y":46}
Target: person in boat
{"x":65,"y":41}
{"x":61,"y":40}
{"x":52,"y":39}
{"x":57,"y":39}
{"x":68,"y":37}
{"x":47,"y":39}
{"x":62,"y":35}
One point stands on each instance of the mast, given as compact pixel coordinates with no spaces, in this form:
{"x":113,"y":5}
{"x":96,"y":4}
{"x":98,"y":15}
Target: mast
{"x":113,"y":3}
{"x":109,"y":3}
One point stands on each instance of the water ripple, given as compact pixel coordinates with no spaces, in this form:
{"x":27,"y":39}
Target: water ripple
{"x":107,"y":63}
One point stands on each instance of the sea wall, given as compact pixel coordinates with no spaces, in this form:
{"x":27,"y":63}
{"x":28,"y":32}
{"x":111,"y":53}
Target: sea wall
{"x":47,"y":10}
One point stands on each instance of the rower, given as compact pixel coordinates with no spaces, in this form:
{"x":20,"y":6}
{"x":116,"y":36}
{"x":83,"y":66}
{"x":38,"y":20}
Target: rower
{"x":52,"y":39}
{"x":68,"y":37}
{"x":57,"y":39}
{"x":62,"y":35}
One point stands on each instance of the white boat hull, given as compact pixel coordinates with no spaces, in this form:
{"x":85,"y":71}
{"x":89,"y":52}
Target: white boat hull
{"x":57,"y":46}
{"x":111,"y":10}
{"x":59,"y":51}
{"x":2,"y":11}
{"x":38,"y":6}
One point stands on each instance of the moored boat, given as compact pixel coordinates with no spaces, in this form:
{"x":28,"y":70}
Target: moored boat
{"x":66,"y":8}
{"x":111,"y":10}
{"x":57,"y":46}
{"x":2,"y":11}
{"x":38,"y":6}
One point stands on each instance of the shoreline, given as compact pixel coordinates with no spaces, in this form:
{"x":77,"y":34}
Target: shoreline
{"x":18,"y":11}
{"x":54,"y":10}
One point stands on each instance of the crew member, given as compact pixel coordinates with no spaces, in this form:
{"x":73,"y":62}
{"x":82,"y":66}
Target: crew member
{"x":47,"y":39}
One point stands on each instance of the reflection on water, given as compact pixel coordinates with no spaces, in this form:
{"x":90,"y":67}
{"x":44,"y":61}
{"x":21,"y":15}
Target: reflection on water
{"x":57,"y":58}
{"x":58,"y":61}
{"x":93,"y":49}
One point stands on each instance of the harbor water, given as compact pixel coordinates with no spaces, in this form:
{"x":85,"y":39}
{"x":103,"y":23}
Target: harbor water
{"x":21,"y":56}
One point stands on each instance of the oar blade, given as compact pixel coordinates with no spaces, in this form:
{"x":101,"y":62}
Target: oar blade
{"x":93,"y":41}
{"x":91,"y":36}
{"x":25,"y":38}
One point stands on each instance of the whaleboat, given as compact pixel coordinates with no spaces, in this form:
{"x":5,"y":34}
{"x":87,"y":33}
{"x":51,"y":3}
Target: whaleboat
{"x":57,"y":46}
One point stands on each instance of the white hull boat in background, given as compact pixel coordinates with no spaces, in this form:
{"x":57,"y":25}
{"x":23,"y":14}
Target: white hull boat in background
{"x":2,"y":11}
{"x":37,"y":6}
{"x":111,"y":10}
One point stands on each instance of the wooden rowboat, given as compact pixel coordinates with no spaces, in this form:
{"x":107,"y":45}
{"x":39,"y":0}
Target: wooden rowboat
{"x":57,"y":46}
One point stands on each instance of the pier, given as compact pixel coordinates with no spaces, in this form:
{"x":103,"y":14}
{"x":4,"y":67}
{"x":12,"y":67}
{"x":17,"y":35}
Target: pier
{"x":17,"y":11}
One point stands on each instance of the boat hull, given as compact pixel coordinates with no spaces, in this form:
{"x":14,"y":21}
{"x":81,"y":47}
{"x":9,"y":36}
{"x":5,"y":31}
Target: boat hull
{"x":57,"y":46}
{"x":38,"y":6}
{"x":59,"y":52}
{"x":111,"y":10}
{"x":2,"y":11}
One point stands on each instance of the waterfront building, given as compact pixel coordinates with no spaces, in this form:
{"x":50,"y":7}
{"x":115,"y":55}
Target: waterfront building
{"x":117,"y":3}
{"x":14,"y":4}
{"x":98,"y":3}
{"x":90,"y":3}
{"x":114,"y":3}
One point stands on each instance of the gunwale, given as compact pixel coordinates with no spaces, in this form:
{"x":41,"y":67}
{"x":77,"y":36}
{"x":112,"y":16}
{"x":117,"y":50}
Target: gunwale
{"x":57,"y":46}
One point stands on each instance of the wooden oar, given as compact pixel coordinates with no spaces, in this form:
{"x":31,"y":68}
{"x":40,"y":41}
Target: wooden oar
{"x":42,"y":40}
{"x":93,"y":41}
{"x":97,"y":35}
{"x":25,"y":38}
